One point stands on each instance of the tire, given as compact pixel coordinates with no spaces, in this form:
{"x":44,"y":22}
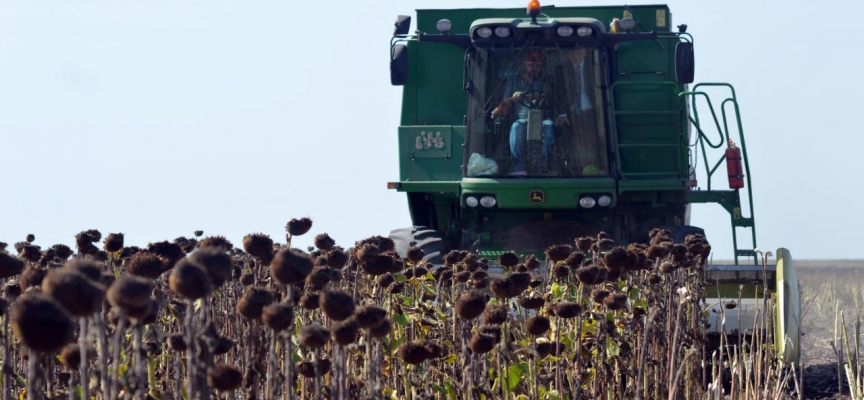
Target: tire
{"x":431,"y":241}
{"x":680,"y":233}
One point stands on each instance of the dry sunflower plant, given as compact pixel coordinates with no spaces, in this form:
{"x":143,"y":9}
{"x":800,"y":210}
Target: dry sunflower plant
{"x":198,"y":318}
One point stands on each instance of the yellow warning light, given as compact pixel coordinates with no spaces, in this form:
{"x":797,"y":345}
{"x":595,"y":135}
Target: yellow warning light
{"x":534,"y":8}
{"x":394,"y":185}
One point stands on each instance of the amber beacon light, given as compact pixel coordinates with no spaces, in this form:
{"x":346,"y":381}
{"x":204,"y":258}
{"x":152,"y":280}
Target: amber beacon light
{"x":534,"y":9}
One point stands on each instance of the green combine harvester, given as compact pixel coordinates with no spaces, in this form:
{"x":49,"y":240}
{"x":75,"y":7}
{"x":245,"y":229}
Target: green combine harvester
{"x":524,"y":130}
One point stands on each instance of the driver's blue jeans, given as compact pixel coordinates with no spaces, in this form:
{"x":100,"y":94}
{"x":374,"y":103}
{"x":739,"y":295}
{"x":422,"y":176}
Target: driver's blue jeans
{"x":518,"y":137}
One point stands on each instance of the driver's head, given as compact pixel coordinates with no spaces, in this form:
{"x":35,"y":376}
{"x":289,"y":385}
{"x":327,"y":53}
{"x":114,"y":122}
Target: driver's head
{"x":534,"y":62}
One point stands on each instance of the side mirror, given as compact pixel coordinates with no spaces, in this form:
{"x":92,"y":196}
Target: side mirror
{"x":684,"y":62}
{"x":398,"y":64}
{"x":403,"y":23}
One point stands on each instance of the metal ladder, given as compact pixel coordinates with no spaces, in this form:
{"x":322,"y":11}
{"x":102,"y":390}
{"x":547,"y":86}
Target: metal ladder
{"x":729,"y":199}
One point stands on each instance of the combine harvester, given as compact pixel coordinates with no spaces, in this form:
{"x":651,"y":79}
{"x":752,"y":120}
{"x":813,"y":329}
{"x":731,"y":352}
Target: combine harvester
{"x":520,"y":132}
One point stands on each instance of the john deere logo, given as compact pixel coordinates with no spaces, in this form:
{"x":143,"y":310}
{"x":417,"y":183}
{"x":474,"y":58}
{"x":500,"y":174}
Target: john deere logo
{"x":536,"y":197}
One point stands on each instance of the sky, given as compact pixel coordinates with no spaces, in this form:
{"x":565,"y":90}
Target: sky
{"x":159,"y":118}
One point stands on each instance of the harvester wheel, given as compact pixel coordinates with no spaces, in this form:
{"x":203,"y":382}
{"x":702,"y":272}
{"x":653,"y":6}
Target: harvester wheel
{"x":431,"y":241}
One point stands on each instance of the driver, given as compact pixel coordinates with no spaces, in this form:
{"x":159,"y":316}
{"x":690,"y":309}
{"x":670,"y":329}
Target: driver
{"x":520,"y":96}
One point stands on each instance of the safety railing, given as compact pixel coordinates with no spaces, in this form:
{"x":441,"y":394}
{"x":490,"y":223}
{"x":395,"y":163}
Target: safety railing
{"x":738,"y":220}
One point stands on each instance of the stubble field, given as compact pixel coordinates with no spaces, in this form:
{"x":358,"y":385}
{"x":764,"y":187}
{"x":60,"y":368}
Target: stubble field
{"x":828,"y":287}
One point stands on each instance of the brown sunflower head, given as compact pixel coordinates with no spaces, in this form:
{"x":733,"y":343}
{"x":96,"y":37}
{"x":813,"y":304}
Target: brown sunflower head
{"x":558,"y":252}
{"x":219,"y":243}
{"x":471,"y":304}
{"x":78,"y":294}
{"x":588,"y":274}
{"x":30,"y":252}
{"x":258,"y":245}
{"x":537,"y":325}
{"x":508,"y":260}
{"x":561,"y":272}
{"x":501,"y":287}
{"x":567,"y":309}
{"x":190,"y":280}
{"x":170,"y":253}
{"x":345,"y":332}
{"x":495,"y":314}
{"x":307,"y":368}
{"x":62,"y":251}
{"x":130,"y":292}
{"x":413,"y":353}
{"x":187,"y":245}
{"x":32,"y":276}
{"x":667,"y":267}
{"x":41,"y":323}
{"x":519,"y":282}
{"x":575,"y":259}
{"x":218,"y":264}
{"x":277,"y":316}
{"x":337,"y":304}
{"x":314,"y":335}
{"x":584,"y":244}
{"x":70,"y":356}
{"x":598,"y":295}
{"x":310,"y":300}
{"x":252,"y":302}
{"x":415,"y":254}
{"x":381,"y":330}
{"x":146,"y":264}
{"x":10,"y":266}
{"x":616,"y":259}
{"x":616,"y":301}
{"x":370,"y":316}
{"x":298,"y":227}
{"x":531,"y":302}
{"x":113,"y":242}
{"x":224,"y":377}
{"x":290,"y":266}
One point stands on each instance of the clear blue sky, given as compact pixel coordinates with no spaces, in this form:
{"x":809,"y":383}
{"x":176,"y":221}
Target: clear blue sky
{"x":158,"y":118}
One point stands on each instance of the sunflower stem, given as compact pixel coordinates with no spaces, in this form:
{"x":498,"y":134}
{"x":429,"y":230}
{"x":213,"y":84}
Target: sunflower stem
{"x":118,"y":344}
{"x":32,"y":365}
{"x":82,"y":343}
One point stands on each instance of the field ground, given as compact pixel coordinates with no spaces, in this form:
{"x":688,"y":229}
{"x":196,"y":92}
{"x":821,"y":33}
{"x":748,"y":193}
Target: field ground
{"x":826,"y":285}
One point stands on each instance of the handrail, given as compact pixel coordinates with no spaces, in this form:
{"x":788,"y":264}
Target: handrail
{"x":738,"y":220}
{"x":724,"y":133}
{"x":695,"y":118}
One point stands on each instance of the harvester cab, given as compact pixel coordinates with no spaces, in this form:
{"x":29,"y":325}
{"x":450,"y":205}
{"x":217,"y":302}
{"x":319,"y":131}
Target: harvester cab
{"x":521,"y":130}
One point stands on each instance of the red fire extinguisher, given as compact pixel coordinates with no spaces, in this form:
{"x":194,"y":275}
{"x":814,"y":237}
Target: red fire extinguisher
{"x":734,"y":166}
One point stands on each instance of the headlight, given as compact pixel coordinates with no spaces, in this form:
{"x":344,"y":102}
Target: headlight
{"x":444,"y":25}
{"x":627,"y":23}
{"x":484,"y":32}
{"x":502,"y":31}
{"x":488,"y":201}
{"x":565,"y":31}
{"x":587,"y":202}
{"x":584,"y":31}
{"x":604,"y":201}
{"x":471,"y":201}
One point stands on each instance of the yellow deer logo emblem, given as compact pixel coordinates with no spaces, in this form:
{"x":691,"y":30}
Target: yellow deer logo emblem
{"x":536,"y":197}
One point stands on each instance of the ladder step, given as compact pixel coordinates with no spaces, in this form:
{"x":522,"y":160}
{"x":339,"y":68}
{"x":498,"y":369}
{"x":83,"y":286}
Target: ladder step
{"x":648,"y":145}
{"x":745,"y":253}
{"x":742,"y":222}
{"x":645,"y":112}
